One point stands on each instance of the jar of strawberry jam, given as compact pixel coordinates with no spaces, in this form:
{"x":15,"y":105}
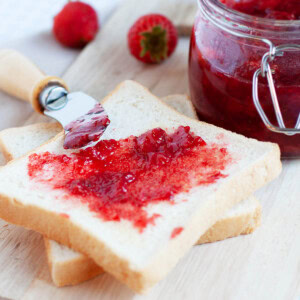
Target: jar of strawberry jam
{"x":244,"y":69}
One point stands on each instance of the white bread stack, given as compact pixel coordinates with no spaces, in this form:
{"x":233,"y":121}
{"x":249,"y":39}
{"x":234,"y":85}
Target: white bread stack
{"x":68,"y":267}
{"x":117,"y":247}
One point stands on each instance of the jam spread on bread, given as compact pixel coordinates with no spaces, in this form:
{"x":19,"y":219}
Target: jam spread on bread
{"x":118,"y":179}
{"x":64,"y":215}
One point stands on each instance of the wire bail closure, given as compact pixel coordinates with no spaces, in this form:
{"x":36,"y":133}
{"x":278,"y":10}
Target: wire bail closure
{"x":266,"y":71}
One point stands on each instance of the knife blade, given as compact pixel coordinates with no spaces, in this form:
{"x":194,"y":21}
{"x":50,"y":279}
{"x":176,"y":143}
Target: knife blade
{"x":83,"y":118}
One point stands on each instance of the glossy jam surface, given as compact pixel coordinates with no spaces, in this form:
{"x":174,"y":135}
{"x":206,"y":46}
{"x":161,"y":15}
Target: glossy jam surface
{"x":64,"y":215}
{"x":119,"y":179}
{"x":87,"y":128}
{"x":221,"y":68}
{"x":271,"y":9}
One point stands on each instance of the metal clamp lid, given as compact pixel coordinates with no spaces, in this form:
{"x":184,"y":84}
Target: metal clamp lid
{"x":266,"y":71}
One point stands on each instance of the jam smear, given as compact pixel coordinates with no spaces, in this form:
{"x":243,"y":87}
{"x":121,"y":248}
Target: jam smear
{"x":118,"y":179}
{"x":64,"y":215}
{"x":270,"y":9}
{"x":86,"y":129}
{"x":176,"y":231}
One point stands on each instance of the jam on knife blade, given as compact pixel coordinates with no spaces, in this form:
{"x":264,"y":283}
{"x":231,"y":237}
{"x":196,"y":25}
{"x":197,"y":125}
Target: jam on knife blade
{"x":86,"y":129}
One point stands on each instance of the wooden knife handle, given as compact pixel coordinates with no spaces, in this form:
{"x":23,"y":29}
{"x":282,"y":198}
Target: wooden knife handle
{"x":19,"y":77}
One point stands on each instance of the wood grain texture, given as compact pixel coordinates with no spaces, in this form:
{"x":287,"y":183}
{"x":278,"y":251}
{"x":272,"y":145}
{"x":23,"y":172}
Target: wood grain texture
{"x":264,"y":265}
{"x":21,"y":256}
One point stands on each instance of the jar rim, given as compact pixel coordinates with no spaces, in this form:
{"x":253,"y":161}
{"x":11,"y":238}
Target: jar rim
{"x":220,"y":6}
{"x":258,"y":27}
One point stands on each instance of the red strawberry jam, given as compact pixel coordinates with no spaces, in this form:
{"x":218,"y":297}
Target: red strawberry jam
{"x":119,"y":179}
{"x":271,"y":9}
{"x":176,"y":231}
{"x":222,"y":65}
{"x":87,"y":128}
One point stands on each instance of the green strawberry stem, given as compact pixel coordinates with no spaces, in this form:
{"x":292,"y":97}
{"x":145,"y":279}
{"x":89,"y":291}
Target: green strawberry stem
{"x":155,"y":43}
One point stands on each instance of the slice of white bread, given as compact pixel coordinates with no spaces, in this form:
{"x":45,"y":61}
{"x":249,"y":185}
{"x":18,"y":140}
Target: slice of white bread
{"x":138,"y":259}
{"x":16,"y":142}
{"x":68,"y":267}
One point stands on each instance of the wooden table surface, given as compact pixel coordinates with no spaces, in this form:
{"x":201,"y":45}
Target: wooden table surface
{"x":263,"y":265}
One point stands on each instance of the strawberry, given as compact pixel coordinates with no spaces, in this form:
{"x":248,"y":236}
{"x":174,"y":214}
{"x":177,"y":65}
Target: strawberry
{"x":76,"y":24}
{"x":152,"y":38}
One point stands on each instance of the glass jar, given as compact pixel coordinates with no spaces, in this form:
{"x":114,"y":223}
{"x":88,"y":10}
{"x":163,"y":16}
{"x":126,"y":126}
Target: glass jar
{"x":226,"y":50}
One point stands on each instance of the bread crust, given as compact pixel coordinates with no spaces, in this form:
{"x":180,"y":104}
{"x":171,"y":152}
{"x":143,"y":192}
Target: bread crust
{"x":232,"y":227}
{"x":82,"y":268}
{"x":73,"y":271}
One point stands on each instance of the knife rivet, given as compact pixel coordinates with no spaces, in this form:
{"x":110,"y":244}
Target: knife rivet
{"x":54,"y":98}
